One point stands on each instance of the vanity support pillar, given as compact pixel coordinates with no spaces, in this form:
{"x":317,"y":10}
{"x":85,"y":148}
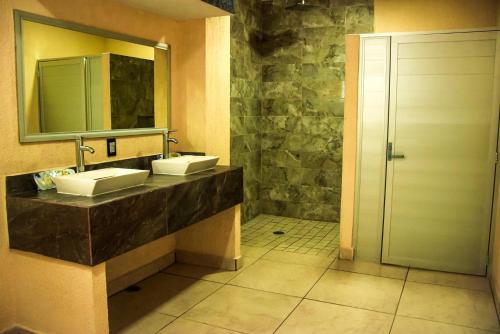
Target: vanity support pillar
{"x":59,"y":296}
{"x":213,"y":242}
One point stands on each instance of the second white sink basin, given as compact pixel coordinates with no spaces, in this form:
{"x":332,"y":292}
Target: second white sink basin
{"x":100,"y":181}
{"x":185,"y":165}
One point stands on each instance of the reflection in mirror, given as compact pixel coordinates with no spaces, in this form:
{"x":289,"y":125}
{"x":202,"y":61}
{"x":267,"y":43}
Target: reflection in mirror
{"x":76,"y":81}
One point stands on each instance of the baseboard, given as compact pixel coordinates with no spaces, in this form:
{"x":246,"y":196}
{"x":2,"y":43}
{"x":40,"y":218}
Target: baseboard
{"x":18,"y":330}
{"x":139,"y":274}
{"x":346,"y":253}
{"x":206,"y":260}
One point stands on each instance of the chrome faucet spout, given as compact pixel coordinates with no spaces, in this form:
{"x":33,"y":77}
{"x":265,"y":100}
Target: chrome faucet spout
{"x":79,"y":149}
{"x":85,"y":148}
{"x":166,"y":141}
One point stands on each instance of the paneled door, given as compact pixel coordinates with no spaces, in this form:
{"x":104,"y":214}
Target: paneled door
{"x":441,"y":151}
{"x":62,"y":95}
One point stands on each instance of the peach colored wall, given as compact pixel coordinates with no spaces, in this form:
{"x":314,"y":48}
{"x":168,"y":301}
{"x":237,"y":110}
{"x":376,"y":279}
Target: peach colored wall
{"x":221,"y":230}
{"x":349,"y":147}
{"x":57,"y":296}
{"x":188,"y":66}
{"x":426,"y":15}
{"x":203,"y":124}
{"x":189,"y":121}
{"x":136,"y":258}
{"x":218,"y":86}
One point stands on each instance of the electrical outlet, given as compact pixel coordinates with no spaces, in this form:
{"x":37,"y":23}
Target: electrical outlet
{"x":111,"y":145}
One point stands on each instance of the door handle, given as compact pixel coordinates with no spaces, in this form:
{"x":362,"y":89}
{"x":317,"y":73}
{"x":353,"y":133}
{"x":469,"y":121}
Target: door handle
{"x":391,"y":156}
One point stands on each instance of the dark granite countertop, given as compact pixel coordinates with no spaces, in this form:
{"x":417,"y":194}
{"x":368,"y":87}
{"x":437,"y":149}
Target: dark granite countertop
{"x":153,"y":182}
{"x":90,"y":230}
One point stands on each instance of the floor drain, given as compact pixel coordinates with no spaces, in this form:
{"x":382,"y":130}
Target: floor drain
{"x":133,"y":288}
{"x":278,"y":232}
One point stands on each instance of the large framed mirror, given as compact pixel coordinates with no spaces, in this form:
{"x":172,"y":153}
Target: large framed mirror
{"x":78,"y":80}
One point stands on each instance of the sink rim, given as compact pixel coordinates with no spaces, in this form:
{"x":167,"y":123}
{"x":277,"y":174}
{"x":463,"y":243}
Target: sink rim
{"x":82,"y":184}
{"x":184,"y":162}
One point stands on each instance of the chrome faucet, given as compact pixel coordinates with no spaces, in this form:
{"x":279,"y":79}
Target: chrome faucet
{"x":166,"y":141}
{"x":79,"y":149}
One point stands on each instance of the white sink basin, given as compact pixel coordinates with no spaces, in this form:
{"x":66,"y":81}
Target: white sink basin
{"x":185,"y":165}
{"x":100,"y":181}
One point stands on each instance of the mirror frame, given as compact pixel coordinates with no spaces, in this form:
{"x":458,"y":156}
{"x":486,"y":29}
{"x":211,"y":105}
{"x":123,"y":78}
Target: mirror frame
{"x":24,"y":137}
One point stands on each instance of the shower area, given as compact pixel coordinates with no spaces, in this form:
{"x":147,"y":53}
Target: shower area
{"x":287,"y":93}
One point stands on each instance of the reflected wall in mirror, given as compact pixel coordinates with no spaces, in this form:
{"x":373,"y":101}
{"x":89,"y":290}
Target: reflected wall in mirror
{"x":77,"y":79}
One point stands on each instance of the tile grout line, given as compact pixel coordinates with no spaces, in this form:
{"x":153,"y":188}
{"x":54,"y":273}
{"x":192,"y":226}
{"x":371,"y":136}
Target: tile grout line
{"x":348,"y":306}
{"x":302,"y":299}
{"x":399,"y":300}
{"x":450,"y":323}
{"x":492,"y":290}
{"x":178,"y":316}
{"x":372,"y":275}
{"x":222,"y":285}
{"x":451,"y":286}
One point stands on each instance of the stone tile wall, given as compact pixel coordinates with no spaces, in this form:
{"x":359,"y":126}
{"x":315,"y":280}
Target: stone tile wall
{"x":302,"y":106}
{"x":246,"y":94}
{"x":300,"y":58}
{"x":223,"y":4}
{"x":132,"y":92}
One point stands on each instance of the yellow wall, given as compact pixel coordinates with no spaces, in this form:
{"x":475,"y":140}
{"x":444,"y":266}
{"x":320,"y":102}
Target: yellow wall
{"x":188,"y":96}
{"x":41,"y":41}
{"x":425,"y":15}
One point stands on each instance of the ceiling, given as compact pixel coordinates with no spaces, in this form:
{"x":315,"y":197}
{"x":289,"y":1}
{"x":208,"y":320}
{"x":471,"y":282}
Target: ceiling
{"x":177,"y":9}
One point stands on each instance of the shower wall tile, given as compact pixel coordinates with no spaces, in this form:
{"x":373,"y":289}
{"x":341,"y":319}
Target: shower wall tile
{"x":246,"y":97}
{"x":287,"y":73}
{"x":282,"y":107}
{"x":227,"y":5}
{"x":359,"y":19}
{"x":282,"y":89}
{"x":281,"y":72}
{"x":302,"y":108}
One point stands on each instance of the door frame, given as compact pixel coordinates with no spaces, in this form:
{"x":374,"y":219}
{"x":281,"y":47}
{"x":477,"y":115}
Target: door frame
{"x":380,"y":220}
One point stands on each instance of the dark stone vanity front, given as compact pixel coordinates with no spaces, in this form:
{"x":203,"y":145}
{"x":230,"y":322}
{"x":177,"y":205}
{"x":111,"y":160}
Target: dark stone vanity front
{"x":92,"y":230}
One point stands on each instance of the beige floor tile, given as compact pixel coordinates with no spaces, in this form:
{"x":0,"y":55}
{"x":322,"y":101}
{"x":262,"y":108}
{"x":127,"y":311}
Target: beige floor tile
{"x":404,"y":325}
{"x":463,"y":307}
{"x":358,"y":290}
{"x":255,"y":252}
{"x":449,"y":279}
{"x":306,"y":259}
{"x":246,"y":261}
{"x":149,"y":323}
{"x":317,"y":317}
{"x":205,"y":273}
{"x":370,"y":268}
{"x":182,"y":326}
{"x":286,"y":278}
{"x":244,"y":310}
{"x":168,"y":294}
